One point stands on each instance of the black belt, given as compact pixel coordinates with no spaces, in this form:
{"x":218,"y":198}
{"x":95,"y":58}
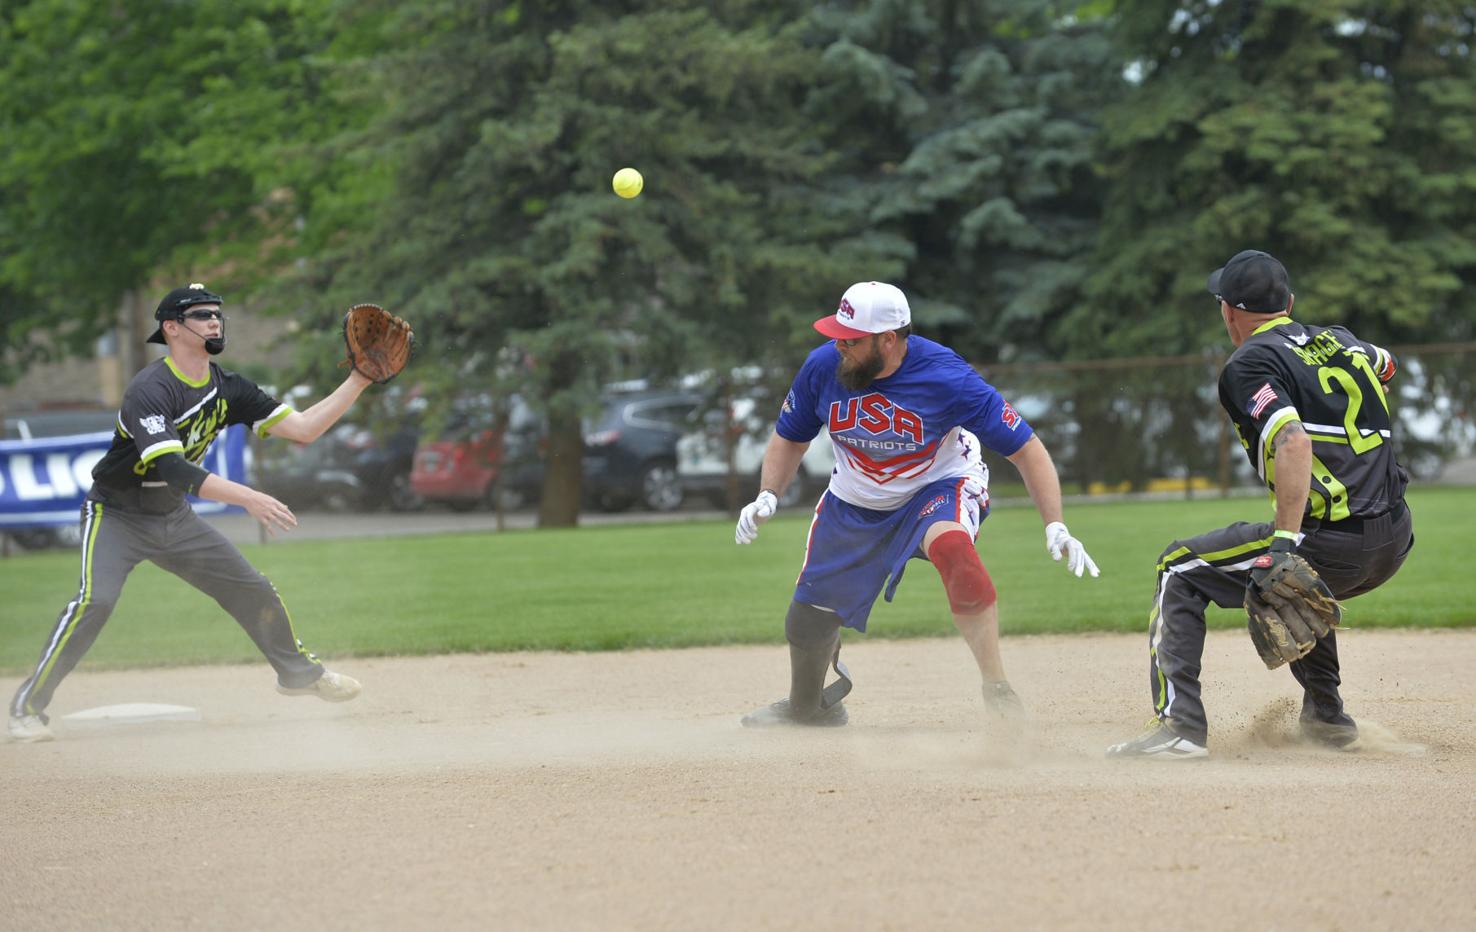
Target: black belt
{"x":1355,"y":523}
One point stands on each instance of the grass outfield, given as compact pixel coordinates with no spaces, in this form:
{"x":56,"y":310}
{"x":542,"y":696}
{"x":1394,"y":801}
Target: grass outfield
{"x":676,"y":585}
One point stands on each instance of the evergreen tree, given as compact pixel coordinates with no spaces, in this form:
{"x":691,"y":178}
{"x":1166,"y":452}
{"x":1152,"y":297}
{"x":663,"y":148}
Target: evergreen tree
{"x":970,"y":130}
{"x":1334,"y":134}
{"x":503,"y":242}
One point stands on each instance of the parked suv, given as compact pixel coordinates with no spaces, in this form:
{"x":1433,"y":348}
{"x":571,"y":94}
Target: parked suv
{"x":630,"y":449}
{"x":702,"y":460}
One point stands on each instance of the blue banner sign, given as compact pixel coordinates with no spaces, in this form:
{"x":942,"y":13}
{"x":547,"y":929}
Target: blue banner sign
{"x":43,"y":481}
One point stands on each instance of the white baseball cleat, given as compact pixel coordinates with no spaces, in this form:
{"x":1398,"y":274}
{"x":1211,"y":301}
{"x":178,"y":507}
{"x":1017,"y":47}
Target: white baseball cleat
{"x":330,"y":687}
{"x":1001,"y":701}
{"x":1160,"y":742}
{"x":29,"y":729}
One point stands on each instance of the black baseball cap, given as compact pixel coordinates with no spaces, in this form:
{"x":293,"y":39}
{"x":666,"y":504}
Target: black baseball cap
{"x":1252,"y":281}
{"x":177,"y":302}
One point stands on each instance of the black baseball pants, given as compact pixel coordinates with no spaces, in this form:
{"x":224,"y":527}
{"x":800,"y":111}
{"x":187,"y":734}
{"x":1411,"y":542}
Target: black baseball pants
{"x":114,"y":541}
{"x":1353,"y":557}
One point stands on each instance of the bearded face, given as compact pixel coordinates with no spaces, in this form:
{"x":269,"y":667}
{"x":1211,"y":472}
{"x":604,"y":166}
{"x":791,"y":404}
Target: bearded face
{"x":860,"y":365}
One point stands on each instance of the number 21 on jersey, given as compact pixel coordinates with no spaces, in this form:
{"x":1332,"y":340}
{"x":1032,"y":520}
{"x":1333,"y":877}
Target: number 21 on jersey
{"x":1359,"y":441}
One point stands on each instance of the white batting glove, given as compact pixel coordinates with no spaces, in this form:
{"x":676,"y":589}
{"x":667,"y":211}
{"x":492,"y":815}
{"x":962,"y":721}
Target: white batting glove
{"x":974,"y":487}
{"x":1059,"y":542}
{"x":753,"y":514}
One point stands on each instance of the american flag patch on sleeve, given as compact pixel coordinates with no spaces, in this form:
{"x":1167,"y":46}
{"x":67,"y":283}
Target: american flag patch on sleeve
{"x":1261,"y":399}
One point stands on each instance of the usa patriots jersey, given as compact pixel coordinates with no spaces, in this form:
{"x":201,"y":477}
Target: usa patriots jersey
{"x":918,"y":425}
{"x":1333,"y":383}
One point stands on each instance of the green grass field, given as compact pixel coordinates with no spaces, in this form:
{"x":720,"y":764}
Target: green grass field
{"x":676,"y":585}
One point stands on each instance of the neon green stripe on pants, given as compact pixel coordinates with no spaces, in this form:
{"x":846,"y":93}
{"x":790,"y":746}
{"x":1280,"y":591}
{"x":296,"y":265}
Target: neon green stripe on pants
{"x":83,"y":600}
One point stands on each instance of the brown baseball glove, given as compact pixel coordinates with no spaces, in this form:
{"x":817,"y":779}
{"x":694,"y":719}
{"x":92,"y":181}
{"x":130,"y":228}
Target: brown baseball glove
{"x":379,"y":343}
{"x":1290,"y":607}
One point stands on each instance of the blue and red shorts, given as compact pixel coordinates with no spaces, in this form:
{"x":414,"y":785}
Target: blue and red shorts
{"x":853,"y":552}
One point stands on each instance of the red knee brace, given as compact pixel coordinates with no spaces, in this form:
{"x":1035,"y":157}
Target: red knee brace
{"x":970,"y":590}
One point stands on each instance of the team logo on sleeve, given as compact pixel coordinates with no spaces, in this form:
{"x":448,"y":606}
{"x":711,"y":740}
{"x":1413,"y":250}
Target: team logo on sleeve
{"x":1261,"y":400}
{"x":153,"y":424}
{"x":788,"y":406}
{"x":1010,"y":416}
{"x":1386,"y":364}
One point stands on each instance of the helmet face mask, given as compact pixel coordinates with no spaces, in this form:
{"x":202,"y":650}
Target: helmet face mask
{"x":216,"y":345}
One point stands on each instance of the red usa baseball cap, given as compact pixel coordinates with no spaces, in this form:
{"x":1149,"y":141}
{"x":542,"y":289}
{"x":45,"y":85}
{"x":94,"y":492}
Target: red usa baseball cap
{"x":866,"y":308}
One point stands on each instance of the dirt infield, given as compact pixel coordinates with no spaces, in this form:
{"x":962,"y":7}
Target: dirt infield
{"x":617,"y":791}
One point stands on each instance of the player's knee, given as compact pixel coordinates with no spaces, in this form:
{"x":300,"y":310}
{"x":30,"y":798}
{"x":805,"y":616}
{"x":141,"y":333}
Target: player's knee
{"x":970,"y":590}
{"x":101,"y":605}
{"x":808,"y":626}
{"x":248,"y":592}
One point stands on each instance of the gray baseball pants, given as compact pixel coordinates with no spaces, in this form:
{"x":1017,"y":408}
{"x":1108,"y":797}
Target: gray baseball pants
{"x":1353,"y":557}
{"x":114,"y":541}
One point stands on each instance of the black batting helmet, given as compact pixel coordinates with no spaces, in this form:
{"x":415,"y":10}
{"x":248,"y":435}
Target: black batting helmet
{"x":177,"y":302}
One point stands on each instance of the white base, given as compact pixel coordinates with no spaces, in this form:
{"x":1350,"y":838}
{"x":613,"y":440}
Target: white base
{"x":133,"y":713}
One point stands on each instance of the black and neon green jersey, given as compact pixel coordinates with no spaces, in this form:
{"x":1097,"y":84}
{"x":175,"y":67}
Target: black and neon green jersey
{"x":163,"y":412}
{"x":1333,"y":383}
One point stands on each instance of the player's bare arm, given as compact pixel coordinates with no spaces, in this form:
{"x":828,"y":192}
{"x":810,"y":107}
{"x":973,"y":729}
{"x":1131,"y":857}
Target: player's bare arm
{"x":1036,"y":468}
{"x":781,"y":463}
{"x":272,"y":514}
{"x":1293,"y":450}
{"x":307,"y":426}
{"x":1033,"y":461}
{"x":189,"y":478}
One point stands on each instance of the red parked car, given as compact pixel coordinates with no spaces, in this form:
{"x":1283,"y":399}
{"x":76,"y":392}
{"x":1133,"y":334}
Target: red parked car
{"x":458,"y":472}
{"x":459,"y":469}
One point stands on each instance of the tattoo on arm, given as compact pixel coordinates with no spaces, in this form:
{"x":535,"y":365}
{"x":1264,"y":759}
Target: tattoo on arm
{"x":1294,"y":427}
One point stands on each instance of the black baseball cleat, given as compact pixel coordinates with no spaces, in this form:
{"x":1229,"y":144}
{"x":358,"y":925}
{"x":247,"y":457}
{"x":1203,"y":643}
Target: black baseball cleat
{"x":781,"y":713}
{"x":1340,"y":737}
{"x":1159,"y":742}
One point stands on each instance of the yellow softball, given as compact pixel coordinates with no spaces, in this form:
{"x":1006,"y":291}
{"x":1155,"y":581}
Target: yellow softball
{"x":628,"y":182}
